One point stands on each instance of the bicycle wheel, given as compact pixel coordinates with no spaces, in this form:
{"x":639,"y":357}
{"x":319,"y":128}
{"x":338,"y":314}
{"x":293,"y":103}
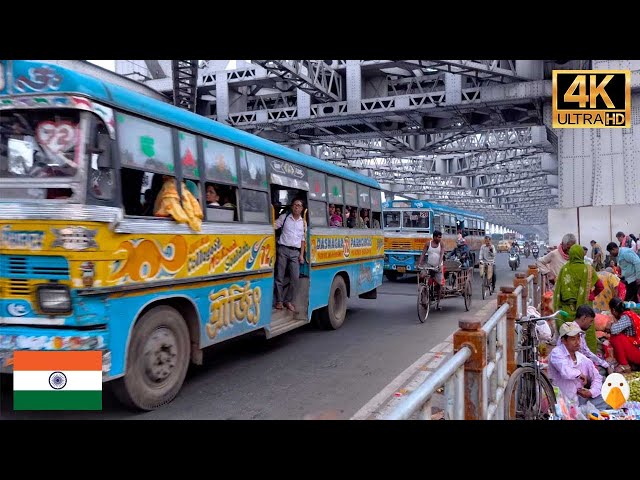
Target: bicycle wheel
{"x":467,"y":294}
{"x":424,"y":303}
{"x":525,"y":399}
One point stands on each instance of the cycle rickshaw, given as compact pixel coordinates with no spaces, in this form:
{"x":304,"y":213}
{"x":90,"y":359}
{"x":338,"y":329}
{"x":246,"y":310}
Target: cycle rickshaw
{"x":457,"y":283}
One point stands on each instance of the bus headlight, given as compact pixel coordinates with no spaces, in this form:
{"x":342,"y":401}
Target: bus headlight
{"x":53,"y":298}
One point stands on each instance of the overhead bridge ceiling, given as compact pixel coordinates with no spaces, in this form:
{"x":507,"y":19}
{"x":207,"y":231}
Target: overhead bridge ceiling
{"x":468,"y":133}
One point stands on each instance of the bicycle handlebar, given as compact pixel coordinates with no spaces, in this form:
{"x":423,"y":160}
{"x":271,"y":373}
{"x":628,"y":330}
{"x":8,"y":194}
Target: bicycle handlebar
{"x":529,"y":318}
{"x":426,"y":267}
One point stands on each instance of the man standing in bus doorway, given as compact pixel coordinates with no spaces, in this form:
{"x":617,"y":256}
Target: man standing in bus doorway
{"x":434,"y":259}
{"x":290,"y":254}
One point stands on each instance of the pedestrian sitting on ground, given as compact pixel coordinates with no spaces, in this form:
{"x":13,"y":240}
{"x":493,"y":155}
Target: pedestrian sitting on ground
{"x":625,"y":335}
{"x":574,"y":374}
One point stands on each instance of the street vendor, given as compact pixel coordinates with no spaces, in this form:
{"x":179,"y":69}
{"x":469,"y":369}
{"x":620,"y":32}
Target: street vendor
{"x":574,"y":374}
{"x":625,"y":335}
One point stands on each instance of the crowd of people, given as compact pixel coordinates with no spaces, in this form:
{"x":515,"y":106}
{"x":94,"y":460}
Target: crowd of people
{"x":601,"y":334}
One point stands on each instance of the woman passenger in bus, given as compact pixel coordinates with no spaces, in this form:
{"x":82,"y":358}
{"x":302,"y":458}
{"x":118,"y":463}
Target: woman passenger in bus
{"x":335,"y":220}
{"x":212,"y":196}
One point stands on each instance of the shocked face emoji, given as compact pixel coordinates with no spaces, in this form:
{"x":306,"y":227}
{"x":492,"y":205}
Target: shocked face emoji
{"x":615,"y":390}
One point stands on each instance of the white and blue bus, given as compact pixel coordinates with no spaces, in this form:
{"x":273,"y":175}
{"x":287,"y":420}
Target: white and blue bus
{"x":87,"y":263}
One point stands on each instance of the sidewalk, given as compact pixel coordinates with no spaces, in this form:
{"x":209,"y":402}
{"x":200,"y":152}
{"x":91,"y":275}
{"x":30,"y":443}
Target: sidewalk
{"x":416,"y":374}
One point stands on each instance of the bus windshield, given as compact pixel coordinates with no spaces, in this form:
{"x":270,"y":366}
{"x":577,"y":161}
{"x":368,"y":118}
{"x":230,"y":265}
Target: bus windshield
{"x":418,"y":219}
{"x":391,"y":219}
{"x":40,"y":143}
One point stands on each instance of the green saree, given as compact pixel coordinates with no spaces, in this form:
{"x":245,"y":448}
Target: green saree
{"x":572,"y":288}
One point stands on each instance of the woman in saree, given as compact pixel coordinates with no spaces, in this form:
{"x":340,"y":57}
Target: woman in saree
{"x":574,"y":287}
{"x":611,"y":284}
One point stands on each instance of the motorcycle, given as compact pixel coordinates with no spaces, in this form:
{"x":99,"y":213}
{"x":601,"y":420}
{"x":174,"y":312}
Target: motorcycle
{"x":535,"y":252}
{"x":526,"y":252}
{"x":514,"y":260}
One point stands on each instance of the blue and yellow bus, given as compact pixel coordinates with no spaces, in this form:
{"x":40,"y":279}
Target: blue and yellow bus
{"x":409,"y":224}
{"x":86,"y":263}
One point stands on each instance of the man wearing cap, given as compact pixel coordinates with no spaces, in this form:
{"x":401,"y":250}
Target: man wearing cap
{"x":573,"y":373}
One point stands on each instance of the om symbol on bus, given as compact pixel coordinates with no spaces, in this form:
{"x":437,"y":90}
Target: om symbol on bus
{"x":40,"y":78}
{"x":56,"y":136}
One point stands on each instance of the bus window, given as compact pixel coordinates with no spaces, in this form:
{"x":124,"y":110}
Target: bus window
{"x":101,"y":172}
{"x":375,"y":200}
{"x":188,"y":155}
{"x":364,"y":198}
{"x":145,"y":145}
{"x":220,"y":161}
{"x":350,"y":193}
{"x":255,"y":206}
{"x":437,"y":222}
{"x":391,"y":219}
{"x":318,"y":213}
{"x":375,"y":220}
{"x":336,"y":215}
{"x":335,"y":191}
{"x":253,"y":171}
{"x":317,"y":186}
{"x":416,"y":219}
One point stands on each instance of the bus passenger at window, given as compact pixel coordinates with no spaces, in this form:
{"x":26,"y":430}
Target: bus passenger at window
{"x":193,"y":188}
{"x":335,"y":220}
{"x":360,"y":223}
{"x":212,"y":196}
{"x":290,"y":253}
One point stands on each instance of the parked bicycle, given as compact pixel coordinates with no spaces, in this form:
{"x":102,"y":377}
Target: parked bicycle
{"x":529,"y":394}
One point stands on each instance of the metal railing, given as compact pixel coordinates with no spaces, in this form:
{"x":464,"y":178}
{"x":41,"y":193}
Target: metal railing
{"x":495,"y":373}
{"x":476,"y":376}
{"x":451,"y":375}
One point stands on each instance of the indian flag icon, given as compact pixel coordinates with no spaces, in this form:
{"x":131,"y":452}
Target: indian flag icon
{"x":60,"y":380}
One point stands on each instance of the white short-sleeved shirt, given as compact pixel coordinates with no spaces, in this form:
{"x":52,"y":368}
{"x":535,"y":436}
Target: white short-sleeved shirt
{"x":293,"y":232}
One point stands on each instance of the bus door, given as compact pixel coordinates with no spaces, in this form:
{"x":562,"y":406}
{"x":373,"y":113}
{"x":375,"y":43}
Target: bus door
{"x":282,"y":198}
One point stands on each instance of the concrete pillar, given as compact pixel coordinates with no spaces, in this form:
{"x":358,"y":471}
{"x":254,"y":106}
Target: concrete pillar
{"x":471,"y":335}
{"x":533,"y":270}
{"x":521,"y":279}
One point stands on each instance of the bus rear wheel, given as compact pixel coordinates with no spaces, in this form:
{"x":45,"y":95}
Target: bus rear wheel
{"x":332,"y":316}
{"x":157,"y":360}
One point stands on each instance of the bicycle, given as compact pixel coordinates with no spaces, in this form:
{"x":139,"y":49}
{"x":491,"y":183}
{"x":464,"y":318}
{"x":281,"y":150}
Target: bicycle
{"x":529,"y":394}
{"x":427,"y":293}
{"x":486,"y":282}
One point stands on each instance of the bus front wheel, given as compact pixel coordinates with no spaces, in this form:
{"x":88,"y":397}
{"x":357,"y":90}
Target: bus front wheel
{"x":332,"y":316}
{"x":157,"y":360}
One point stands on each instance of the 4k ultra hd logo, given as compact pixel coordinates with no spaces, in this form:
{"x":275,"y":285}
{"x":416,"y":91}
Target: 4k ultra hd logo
{"x":591,"y":99}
